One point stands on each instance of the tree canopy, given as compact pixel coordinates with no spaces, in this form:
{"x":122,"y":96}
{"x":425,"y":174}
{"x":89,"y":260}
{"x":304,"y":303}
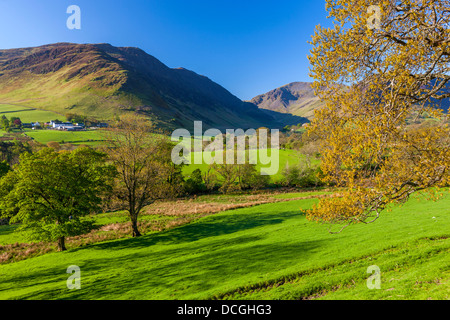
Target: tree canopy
{"x":49,"y":192}
{"x":374,"y":78}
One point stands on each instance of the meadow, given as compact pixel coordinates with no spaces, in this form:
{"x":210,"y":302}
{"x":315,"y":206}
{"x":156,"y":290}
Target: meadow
{"x":287,"y":157}
{"x":27,"y":114}
{"x":263,"y":251}
{"x":91,"y":137}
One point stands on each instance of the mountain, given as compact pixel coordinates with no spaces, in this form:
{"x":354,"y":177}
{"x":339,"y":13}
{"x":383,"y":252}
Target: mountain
{"x":295,"y":98}
{"x":298,"y":99}
{"x":102,"y":80}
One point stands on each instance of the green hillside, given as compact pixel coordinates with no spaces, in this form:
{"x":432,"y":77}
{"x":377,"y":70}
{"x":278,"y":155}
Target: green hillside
{"x":27,"y":114}
{"x":102,"y":81}
{"x":264,"y":252}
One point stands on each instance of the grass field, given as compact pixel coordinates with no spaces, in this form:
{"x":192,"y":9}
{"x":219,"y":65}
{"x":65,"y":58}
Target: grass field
{"x":28,"y":115}
{"x":286,"y":157}
{"x":269,"y":251}
{"x":91,"y":137}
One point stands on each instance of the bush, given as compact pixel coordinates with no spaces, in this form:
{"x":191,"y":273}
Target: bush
{"x":229,"y":178}
{"x":301,"y":176}
{"x":54,"y":145}
{"x":194,"y":184}
{"x":251,"y":178}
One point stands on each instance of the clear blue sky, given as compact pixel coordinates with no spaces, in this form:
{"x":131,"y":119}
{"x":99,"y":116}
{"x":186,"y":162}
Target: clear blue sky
{"x":247,"y":46}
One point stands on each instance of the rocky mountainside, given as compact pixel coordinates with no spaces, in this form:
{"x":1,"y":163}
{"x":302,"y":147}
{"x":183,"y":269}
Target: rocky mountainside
{"x":295,"y":98}
{"x":298,"y":99}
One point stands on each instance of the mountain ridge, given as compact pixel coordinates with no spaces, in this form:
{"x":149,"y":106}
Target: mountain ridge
{"x":296,"y":98}
{"x":103,"y":80}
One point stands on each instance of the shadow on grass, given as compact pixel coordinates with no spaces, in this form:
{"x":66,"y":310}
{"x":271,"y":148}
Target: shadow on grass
{"x":174,"y":265}
{"x":213,"y":226}
{"x":7,"y":229}
{"x":190,"y":274}
{"x":50,"y":275}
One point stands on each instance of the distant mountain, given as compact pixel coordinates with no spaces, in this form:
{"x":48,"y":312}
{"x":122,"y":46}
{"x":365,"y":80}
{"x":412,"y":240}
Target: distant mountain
{"x":298,"y":99}
{"x":102,"y":80}
{"x":295,"y":98}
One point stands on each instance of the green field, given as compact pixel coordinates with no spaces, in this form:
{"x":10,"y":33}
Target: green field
{"x":91,"y":137}
{"x":28,"y":115}
{"x":287,"y":157}
{"x":268,"y":251}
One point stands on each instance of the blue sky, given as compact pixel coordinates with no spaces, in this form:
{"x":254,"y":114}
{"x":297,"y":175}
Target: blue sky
{"x":247,"y":46}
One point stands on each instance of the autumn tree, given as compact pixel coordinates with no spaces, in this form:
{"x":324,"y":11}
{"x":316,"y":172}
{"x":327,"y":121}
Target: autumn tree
{"x":16,"y":122}
{"x":377,"y":67}
{"x":142,"y":158}
{"x":50,"y":192}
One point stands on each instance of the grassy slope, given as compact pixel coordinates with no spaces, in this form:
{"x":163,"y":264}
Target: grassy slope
{"x":305,"y":108}
{"x":259,"y":252}
{"x":28,"y":115}
{"x":54,"y":92}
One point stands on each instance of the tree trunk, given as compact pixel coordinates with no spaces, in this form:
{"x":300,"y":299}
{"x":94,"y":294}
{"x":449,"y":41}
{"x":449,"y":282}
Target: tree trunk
{"x":134,"y":227}
{"x":61,"y":244}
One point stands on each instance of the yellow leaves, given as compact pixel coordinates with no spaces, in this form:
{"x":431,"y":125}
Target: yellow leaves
{"x":418,"y":160}
{"x":371,"y":82}
{"x":350,"y":207}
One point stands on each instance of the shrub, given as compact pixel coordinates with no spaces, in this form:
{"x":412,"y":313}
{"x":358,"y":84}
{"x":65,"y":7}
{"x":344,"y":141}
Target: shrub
{"x":194,"y":184}
{"x":302,"y":176}
{"x":54,"y":145}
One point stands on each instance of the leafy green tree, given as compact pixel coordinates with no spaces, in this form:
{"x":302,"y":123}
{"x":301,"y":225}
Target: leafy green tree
{"x":194,"y":184}
{"x":301,"y":175}
{"x":75,"y":118}
{"x":4,"y":168}
{"x":238,"y":177}
{"x":50,"y":192}
{"x":16,"y":122}
{"x":250,"y":178}
{"x":228,"y":177}
{"x":4,"y":122}
{"x":11,"y":150}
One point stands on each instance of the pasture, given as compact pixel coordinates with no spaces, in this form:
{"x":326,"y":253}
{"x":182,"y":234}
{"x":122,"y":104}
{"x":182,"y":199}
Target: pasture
{"x":91,"y":137}
{"x":287,"y":157}
{"x":266,"y":251}
{"x":27,"y":114}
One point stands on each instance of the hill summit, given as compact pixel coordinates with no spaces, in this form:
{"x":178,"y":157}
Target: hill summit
{"x":295,"y":98}
{"x":102,"y":80}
